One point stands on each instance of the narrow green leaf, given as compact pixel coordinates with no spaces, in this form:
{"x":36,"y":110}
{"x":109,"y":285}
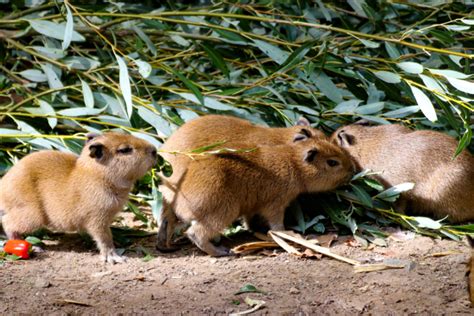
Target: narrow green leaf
{"x":87,"y":94}
{"x":362,"y":195}
{"x":272,"y":51}
{"x":347,"y":106}
{"x":34,"y":75}
{"x":462,"y":85}
{"x":449,"y":73}
{"x":425,"y":104}
{"x":296,"y":56}
{"x":191,"y":86}
{"x":47,"y":109}
{"x":410,"y":67}
{"x":248,"y":288}
{"x":464,"y":142}
{"x":53,"y":79}
{"x":54,"y":30}
{"x":395,"y":190}
{"x":216,"y":59}
{"x":146,"y":39}
{"x":425,"y":222}
{"x":80,"y":112}
{"x":125,"y":87}
{"x":387,"y":76}
{"x":68,"y":29}
{"x":371,"y":108}
{"x":53,"y":53}
{"x":161,"y":125}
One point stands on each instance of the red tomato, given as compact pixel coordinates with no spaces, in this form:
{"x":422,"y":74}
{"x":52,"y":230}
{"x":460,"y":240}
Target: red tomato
{"x":20,"y":248}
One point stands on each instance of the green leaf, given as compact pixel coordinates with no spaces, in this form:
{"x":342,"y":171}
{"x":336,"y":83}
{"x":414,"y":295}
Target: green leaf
{"x":410,"y":67}
{"x":326,"y":86}
{"x":449,"y":73}
{"x":47,"y":109}
{"x":125,"y":87}
{"x":425,"y":222}
{"x":54,"y":30}
{"x":464,"y":142}
{"x":208,"y":102}
{"x":53,"y":53}
{"x":248,"y":288}
{"x":80,"y":111}
{"x":388,"y":76}
{"x":216,"y":59}
{"x":347,"y":106}
{"x":146,"y":39}
{"x":33,"y":75}
{"x":87,"y":95}
{"x":160,"y":124}
{"x":68,"y":29}
{"x":362,"y":195}
{"x":297,"y":56}
{"x":425,"y":104}
{"x":279,"y":56}
{"x":53,"y":79}
{"x":144,"y":68}
{"x":81,"y":63}
{"x":433,"y":84}
{"x":395,"y":190}
{"x":402,"y":112}
{"x":191,"y":86}
{"x":34,"y":240}
{"x":370,"y":108}
{"x":462,"y":85}
{"x":369,"y":44}
{"x":180,"y":40}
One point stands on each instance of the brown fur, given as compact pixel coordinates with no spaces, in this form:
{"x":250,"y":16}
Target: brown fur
{"x":215,"y":190}
{"x":65,"y":192}
{"x":443,"y":186}
{"x":211,"y":129}
{"x":470,"y":271}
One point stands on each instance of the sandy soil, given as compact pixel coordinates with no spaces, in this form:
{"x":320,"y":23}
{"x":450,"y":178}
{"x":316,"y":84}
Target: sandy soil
{"x":68,"y":278}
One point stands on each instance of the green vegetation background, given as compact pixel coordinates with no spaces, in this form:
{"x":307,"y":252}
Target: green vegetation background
{"x":72,"y":67}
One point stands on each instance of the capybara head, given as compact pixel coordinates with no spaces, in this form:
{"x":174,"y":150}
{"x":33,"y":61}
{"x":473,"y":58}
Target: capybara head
{"x":126,"y":156}
{"x":324,"y":165}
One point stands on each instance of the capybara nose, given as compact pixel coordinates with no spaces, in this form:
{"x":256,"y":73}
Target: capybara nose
{"x":153,"y":152}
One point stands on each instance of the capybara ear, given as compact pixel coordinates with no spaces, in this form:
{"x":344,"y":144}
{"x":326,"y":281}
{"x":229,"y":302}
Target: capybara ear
{"x":344,"y":139}
{"x":303,"y":134}
{"x":302,"y":121}
{"x":310,"y":155}
{"x":96,"y":150}
{"x":362,"y":122}
{"x":91,"y":136}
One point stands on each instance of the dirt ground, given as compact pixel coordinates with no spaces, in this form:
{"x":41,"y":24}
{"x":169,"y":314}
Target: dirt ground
{"x":68,"y":278}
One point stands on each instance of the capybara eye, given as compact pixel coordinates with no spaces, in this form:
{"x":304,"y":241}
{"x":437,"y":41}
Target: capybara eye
{"x":332,"y":162}
{"x":125,"y":150}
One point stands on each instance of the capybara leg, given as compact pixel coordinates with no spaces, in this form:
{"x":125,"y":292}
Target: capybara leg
{"x":167,"y":224}
{"x":102,"y":235}
{"x":20,"y":221}
{"x":201,"y":236}
{"x":275,"y":217}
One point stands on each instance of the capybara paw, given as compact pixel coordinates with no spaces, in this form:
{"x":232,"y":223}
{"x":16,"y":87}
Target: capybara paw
{"x":113,"y":257}
{"x":221,"y":251}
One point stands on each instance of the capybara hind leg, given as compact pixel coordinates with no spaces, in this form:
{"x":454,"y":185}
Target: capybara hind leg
{"x":20,"y":221}
{"x":102,"y":235}
{"x":201,"y":236}
{"x":275,"y":217}
{"x":167,"y":224}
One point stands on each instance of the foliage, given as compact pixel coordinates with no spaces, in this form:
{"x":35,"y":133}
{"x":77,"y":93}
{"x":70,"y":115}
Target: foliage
{"x":67,"y":68}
